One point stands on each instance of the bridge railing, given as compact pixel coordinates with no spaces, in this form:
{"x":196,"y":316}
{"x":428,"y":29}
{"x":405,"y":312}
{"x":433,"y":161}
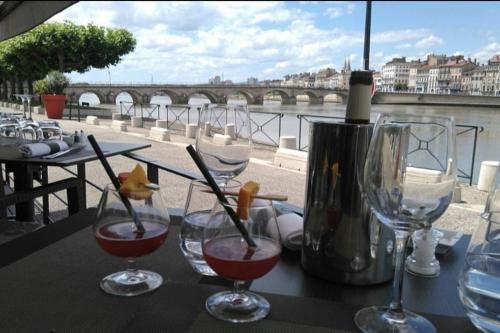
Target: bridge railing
{"x":146,"y":110}
{"x":467,"y":138}
{"x":178,"y":116}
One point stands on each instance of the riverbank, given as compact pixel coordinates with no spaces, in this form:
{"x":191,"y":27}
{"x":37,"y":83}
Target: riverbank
{"x":436,"y":99}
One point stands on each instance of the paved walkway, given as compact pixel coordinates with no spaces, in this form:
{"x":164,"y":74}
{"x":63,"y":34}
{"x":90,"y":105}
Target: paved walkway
{"x":462,"y":216}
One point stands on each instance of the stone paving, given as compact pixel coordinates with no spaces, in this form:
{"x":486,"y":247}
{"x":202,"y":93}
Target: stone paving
{"x":462,"y":216}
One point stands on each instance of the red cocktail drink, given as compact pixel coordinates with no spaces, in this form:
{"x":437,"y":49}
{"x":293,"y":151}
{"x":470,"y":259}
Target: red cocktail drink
{"x":121,"y":240}
{"x":228,"y":257}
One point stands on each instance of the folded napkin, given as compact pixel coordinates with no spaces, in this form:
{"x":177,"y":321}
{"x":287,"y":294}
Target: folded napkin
{"x":290,"y":227}
{"x":43,"y":148}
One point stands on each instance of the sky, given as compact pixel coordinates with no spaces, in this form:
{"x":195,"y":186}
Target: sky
{"x":189,"y":42}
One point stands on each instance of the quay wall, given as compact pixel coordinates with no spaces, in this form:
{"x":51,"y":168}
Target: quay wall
{"x":434,"y":99}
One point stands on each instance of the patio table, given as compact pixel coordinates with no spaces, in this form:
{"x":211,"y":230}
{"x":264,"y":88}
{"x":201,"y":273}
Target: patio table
{"x":50,"y":283}
{"x":23,"y":169}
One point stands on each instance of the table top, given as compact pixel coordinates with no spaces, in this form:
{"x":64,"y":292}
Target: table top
{"x":50,"y":282}
{"x":85,"y":155}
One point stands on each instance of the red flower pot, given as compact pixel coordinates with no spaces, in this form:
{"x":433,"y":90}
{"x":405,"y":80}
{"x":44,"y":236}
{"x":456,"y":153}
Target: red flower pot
{"x":54,"y":105}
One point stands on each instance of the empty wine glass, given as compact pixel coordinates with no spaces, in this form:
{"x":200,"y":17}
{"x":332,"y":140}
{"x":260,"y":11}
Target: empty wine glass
{"x":199,"y":204}
{"x":117,"y":234}
{"x":224,"y":140}
{"x":406,"y":204}
{"x":228,"y":254}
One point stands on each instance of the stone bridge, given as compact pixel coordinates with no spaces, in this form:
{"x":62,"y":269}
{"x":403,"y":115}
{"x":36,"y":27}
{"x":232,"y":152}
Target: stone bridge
{"x":180,"y":94}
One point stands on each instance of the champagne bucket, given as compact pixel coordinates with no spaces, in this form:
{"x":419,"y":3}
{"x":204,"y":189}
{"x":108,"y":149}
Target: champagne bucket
{"x":342,"y":241}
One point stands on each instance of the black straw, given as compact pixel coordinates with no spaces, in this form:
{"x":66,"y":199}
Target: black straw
{"x":116,"y":183}
{"x":211,"y":182}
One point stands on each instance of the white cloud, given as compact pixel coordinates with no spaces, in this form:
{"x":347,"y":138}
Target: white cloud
{"x":487,"y":51}
{"x":334,"y":12}
{"x":190,"y":41}
{"x":404,"y":46}
{"x":399,"y":35}
{"x":340,"y":8}
{"x":428,"y":42}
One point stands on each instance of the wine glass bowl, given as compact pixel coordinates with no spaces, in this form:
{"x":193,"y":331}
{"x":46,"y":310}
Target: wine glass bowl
{"x":199,"y":205}
{"x":406,"y":203}
{"x":116,"y":233}
{"x":224,"y":139}
{"x":228,"y":254}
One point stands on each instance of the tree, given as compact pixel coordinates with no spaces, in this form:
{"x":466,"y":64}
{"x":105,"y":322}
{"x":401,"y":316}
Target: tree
{"x":400,"y":87}
{"x":65,"y":47}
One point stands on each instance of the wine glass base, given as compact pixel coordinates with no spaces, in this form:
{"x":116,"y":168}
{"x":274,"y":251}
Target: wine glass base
{"x":131,"y":283}
{"x":203,"y":269}
{"x":244,"y":307}
{"x":375,"y":319}
{"x":428,"y":272}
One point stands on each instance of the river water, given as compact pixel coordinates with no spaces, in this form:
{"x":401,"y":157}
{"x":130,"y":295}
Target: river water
{"x":488,"y":118}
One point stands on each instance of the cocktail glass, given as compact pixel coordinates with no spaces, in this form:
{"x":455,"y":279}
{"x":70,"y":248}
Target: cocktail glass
{"x":228,"y":254}
{"x":117,"y":234}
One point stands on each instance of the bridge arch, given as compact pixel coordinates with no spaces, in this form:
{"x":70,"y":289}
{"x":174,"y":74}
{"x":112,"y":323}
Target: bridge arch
{"x":285,"y":98}
{"x":75,"y":96}
{"x":314,"y":98}
{"x":136,"y":97}
{"x":174,"y":97}
{"x":248,"y":96}
{"x":212,"y":97}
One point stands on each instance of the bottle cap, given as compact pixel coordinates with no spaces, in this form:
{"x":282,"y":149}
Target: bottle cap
{"x":361,"y":77}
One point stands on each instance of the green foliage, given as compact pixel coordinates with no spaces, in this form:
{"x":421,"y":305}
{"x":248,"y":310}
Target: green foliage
{"x":41,"y":87}
{"x":400,"y":87}
{"x":65,"y":47}
{"x":56,"y":82}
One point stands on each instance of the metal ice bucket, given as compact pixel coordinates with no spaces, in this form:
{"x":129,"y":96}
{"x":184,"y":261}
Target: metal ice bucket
{"x":342,"y":240}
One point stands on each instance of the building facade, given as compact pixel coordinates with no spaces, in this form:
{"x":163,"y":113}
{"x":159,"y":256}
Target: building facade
{"x":395,"y":73}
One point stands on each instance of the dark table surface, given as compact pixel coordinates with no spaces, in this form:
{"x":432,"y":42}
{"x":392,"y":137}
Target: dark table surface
{"x":50,"y":282}
{"x":85,"y":155}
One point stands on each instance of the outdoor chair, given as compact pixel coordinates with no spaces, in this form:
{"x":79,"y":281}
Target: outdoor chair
{"x":73,"y":187}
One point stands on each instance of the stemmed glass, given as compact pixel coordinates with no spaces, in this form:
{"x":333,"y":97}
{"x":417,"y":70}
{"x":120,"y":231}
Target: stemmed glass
{"x":117,"y":234}
{"x":227,"y":253}
{"x":224,"y":140}
{"x":406,"y":204}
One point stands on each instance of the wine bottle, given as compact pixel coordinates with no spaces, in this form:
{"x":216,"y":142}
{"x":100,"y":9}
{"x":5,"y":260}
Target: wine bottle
{"x":359,"y":98}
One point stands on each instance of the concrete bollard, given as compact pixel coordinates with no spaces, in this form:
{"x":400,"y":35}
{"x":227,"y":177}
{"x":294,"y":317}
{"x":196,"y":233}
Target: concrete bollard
{"x":208,"y":129}
{"x":159,"y":133}
{"x":119,"y":125}
{"x":191,"y":130}
{"x":288,"y":142}
{"x":230,"y":130}
{"x":457,"y":194}
{"x":291,"y":159}
{"x":116,"y":116}
{"x":136,"y":121}
{"x":224,"y":140}
{"x":38,"y":110}
{"x":161,"y":124}
{"x":92,"y":120}
{"x":487,"y":175}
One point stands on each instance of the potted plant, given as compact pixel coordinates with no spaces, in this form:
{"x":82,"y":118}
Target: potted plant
{"x":51,"y":89}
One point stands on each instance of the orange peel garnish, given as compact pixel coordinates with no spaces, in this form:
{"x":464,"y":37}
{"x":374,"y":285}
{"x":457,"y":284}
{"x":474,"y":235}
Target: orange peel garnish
{"x":245,"y":198}
{"x":134,"y":186}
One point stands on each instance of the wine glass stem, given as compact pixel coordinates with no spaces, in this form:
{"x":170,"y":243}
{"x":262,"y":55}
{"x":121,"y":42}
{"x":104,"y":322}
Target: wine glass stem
{"x":396,"y":308}
{"x":132,"y":265}
{"x":236,"y":288}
